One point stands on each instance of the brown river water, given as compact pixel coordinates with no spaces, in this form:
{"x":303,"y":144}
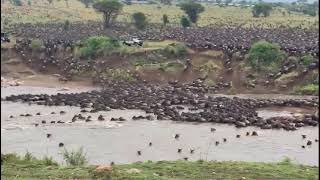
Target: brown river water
{"x":106,"y":141}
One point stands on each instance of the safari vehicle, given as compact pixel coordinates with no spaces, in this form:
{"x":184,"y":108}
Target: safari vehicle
{"x":133,"y":41}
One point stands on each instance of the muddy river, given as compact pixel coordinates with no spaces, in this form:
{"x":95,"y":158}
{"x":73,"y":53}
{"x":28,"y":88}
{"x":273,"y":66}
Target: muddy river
{"x":106,"y":141}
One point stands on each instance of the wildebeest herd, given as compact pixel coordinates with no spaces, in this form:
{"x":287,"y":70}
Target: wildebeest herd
{"x":230,"y":39}
{"x":166,"y":103}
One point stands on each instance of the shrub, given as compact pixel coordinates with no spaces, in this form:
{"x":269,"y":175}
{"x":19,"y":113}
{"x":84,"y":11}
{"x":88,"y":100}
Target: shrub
{"x":265,"y":56}
{"x":9,"y":158}
{"x":48,"y":161}
{"x":310,"y":89}
{"x":306,"y":60}
{"x":36,"y":44}
{"x":175,"y":50}
{"x":208,"y":67}
{"x":75,"y":158}
{"x":185,"y":22}
{"x":28,"y":156}
{"x":139,"y":20}
{"x":98,"y":45}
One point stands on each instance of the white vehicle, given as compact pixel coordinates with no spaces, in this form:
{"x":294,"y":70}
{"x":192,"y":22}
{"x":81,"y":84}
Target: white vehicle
{"x":134,"y":41}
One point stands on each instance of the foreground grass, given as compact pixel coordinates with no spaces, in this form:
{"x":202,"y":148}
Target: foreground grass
{"x":31,"y":168}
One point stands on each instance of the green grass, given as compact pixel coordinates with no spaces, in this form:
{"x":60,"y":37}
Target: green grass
{"x":40,"y":11}
{"x":13,"y":167}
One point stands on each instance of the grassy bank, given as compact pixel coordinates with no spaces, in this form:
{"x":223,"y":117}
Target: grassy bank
{"x":13,"y":167}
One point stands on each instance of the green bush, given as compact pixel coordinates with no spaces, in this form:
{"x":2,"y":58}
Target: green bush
{"x":306,"y":60}
{"x":265,"y":56}
{"x":175,"y":50}
{"x":185,"y":22}
{"x":97,"y":46}
{"x":310,"y":89}
{"x":48,"y":161}
{"x":9,"y":158}
{"x":36,"y":44}
{"x":28,"y":156}
{"x":75,"y":158}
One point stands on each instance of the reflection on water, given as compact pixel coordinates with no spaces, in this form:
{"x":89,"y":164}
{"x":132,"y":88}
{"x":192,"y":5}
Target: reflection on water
{"x":106,"y":141}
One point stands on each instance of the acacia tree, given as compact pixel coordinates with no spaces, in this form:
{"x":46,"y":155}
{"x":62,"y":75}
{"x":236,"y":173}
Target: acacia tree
{"x":110,"y":10}
{"x":139,"y":20}
{"x":192,"y":9}
{"x":165,"y":19}
{"x":261,"y":8}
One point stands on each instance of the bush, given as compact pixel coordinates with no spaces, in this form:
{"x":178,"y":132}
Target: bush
{"x":9,"y":158}
{"x":185,"y":22}
{"x":98,"y":45}
{"x":306,"y":60}
{"x":48,"y":161}
{"x":175,"y":50}
{"x":28,"y":156}
{"x":36,"y":44}
{"x":75,"y":158}
{"x":265,"y":56}
{"x":310,"y":89}
{"x":139,"y":20}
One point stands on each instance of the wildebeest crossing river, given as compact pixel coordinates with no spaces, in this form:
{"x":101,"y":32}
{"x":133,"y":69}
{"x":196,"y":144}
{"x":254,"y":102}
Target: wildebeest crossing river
{"x":119,"y":141}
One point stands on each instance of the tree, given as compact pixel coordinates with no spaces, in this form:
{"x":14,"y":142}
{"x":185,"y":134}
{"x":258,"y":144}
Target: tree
{"x":110,"y":10}
{"x":86,"y":2}
{"x":166,"y":2}
{"x":139,"y":20}
{"x":192,"y":9}
{"x":218,"y":1}
{"x":261,"y":8}
{"x":185,"y":22}
{"x":165,"y":19}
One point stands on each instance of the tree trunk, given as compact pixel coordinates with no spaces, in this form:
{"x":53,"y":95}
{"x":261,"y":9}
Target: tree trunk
{"x":106,"y":19}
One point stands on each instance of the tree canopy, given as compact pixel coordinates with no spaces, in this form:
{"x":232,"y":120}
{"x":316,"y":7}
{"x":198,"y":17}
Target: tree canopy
{"x":261,"y":8}
{"x":192,"y":9}
{"x":110,"y":10}
{"x":139,"y":20}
